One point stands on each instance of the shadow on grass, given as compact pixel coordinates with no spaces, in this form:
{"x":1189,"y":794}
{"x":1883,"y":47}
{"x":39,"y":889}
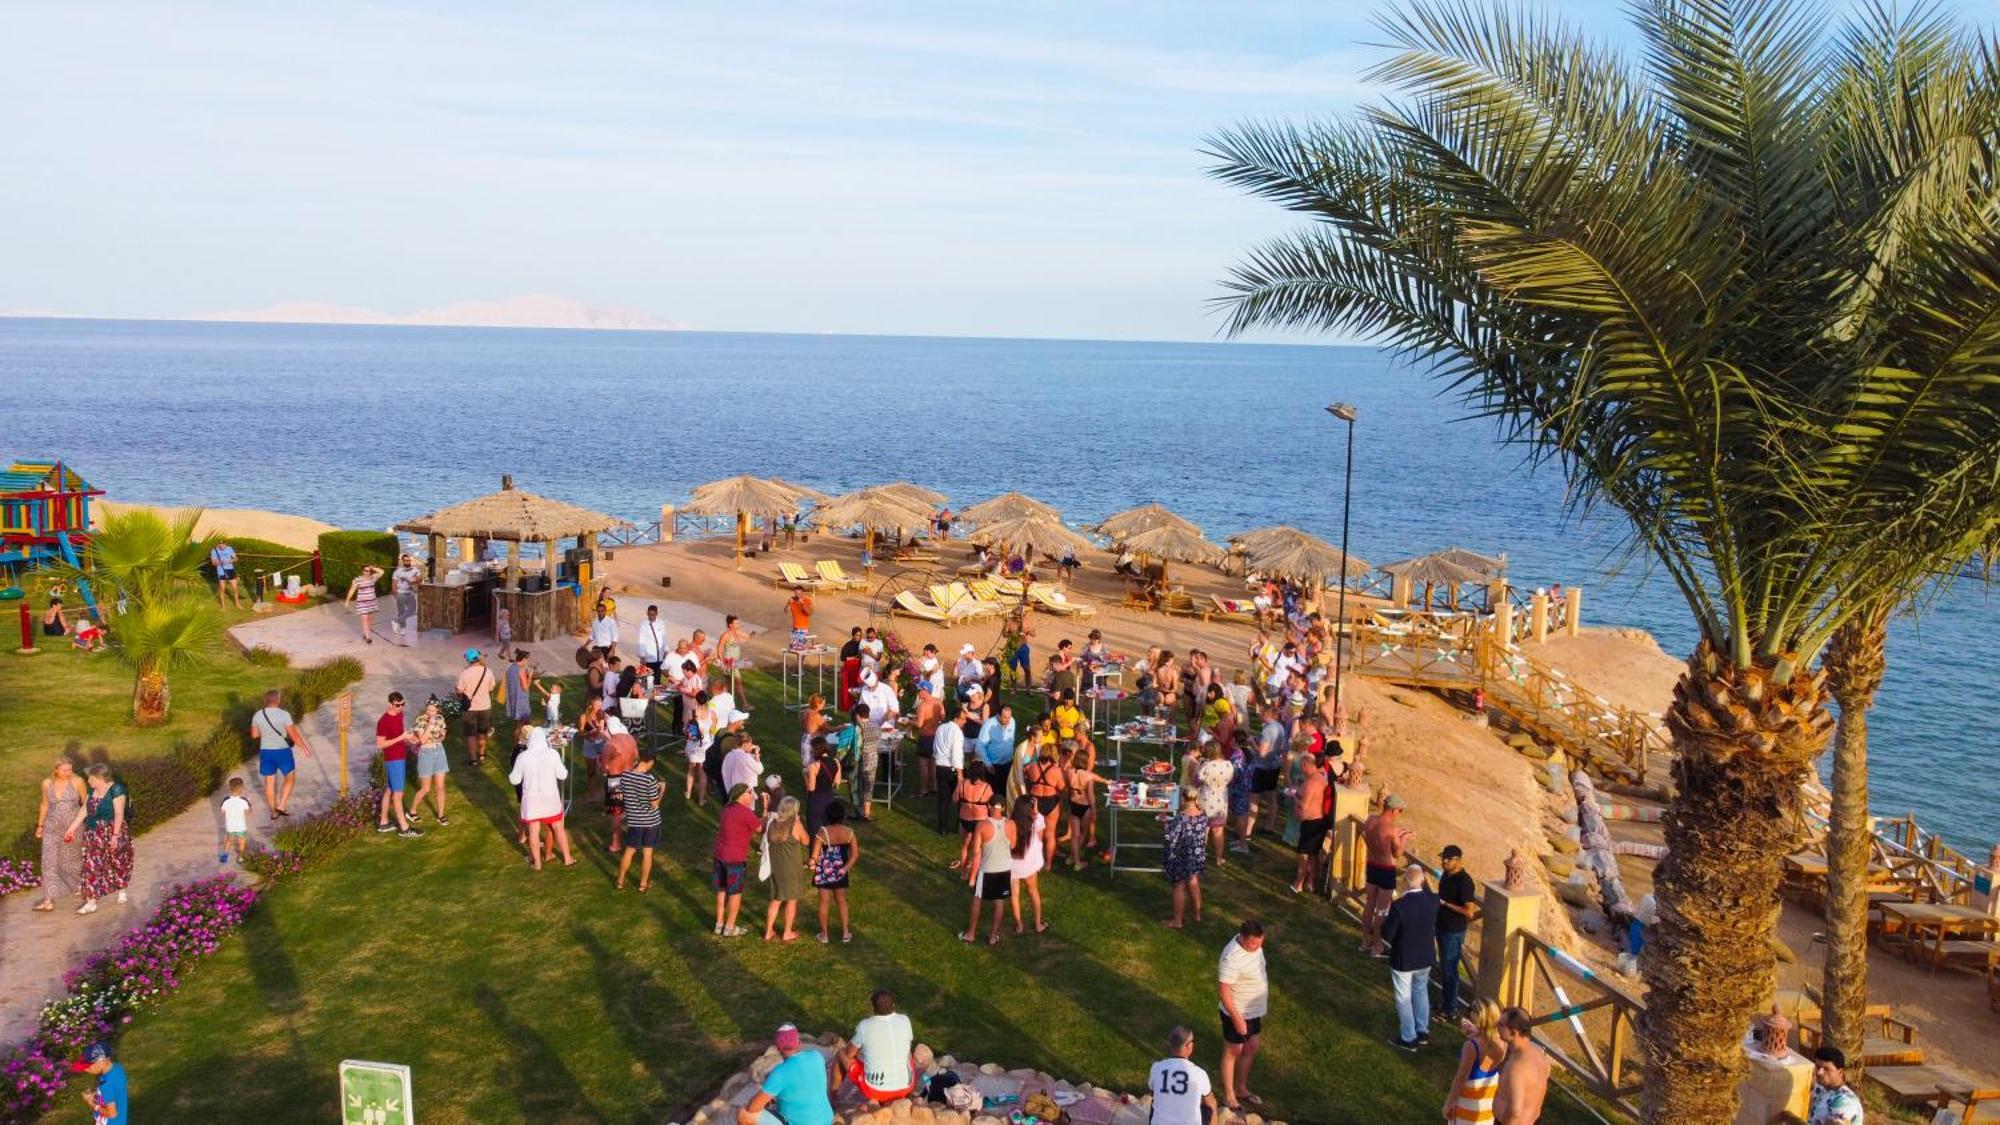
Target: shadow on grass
{"x":533,"y":1073}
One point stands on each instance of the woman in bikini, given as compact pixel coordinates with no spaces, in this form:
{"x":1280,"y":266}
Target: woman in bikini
{"x":811,"y":723}
{"x":1167,"y":683}
{"x":1044,"y":781}
{"x":974,"y":791}
{"x":1082,"y":785}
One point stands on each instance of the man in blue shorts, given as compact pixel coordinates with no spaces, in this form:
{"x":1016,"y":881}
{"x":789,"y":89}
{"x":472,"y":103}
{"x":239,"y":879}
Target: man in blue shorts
{"x":277,"y":736}
{"x":227,"y":585}
{"x":393,"y":742}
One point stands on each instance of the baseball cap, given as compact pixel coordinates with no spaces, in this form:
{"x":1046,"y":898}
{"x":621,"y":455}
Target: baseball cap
{"x":787,"y":1038}
{"x":868,"y":677}
{"x":975,"y":689}
{"x":739,"y":716}
{"x":92,"y":1055}
{"x":1452,"y":851}
{"x":966,"y":650}
{"x":1393,"y":802}
{"x":471,"y":655}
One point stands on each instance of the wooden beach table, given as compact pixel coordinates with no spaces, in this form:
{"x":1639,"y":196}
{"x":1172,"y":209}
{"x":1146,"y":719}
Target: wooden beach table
{"x":1938,"y":922}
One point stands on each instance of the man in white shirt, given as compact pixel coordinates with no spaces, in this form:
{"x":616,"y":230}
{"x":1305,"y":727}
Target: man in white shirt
{"x":968,"y":670}
{"x":947,"y":758}
{"x":1181,"y":1094}
{"x":653,"y":641}
{"x":883,"y":706}
{"x":403,"y":583}
{"x":872,"y":649}
{"x":1245,"y":995}
{"x":604,"y":631}
{"x":878,"y":1059}
{"x":743,"y":765}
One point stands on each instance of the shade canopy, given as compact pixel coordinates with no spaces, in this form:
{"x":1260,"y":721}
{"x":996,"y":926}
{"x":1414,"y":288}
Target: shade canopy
{"x":1007,"y":506}
{"x":744,"y":494}
{"x":1287,"y":552}
{"x":512,"y":515}
{"x":1143,"y":518}
{"x":1433,"y":570}
{"x":872,"y":508}
{"x":1174,"y":543}
{"x":914,"y":494}
{"x":1031,"y":534}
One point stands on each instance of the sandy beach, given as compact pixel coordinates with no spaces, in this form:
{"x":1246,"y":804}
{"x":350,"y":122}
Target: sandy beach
{"x":302,"y":532}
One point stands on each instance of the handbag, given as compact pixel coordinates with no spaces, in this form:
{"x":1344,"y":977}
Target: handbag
{"x":764,"y":856}
{"x":463,"y":700}
{"x":265,"y":714}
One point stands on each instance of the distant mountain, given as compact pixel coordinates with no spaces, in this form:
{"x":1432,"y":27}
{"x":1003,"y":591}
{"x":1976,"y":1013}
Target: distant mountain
{"x":531,"y":310}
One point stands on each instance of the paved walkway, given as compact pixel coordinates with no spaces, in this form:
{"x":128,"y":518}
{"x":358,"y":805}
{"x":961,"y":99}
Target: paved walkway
{"x":37,"y":949}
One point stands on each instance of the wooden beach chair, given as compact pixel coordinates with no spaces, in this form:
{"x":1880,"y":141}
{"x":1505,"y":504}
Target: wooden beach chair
{"x":836,"y":578}
{"x":793,"y":576}
{"x":1179,"y":603}
{"x":908,"y":604}
{"x":1934,"y":1087}
{"x":1228,"y":609}
{"x":1893,"y":1044}
{"x":1055,"y":601}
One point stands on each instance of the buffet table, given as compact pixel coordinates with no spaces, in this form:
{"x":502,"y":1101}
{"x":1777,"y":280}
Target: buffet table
{"x":1146,"y":789}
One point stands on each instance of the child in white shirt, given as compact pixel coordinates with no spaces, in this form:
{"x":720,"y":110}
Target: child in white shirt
{"x":235,"y":821}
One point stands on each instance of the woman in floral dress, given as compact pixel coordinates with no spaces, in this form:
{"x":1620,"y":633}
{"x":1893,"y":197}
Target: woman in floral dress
{"x":107,"y":840}
{"x":60,"y":824}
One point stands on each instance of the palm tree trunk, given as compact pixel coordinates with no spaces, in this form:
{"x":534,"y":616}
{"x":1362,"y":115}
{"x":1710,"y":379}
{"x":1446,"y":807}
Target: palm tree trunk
{"x":1743,"y":738}
{"x":1854,"y":664}
{"x":150,"y":698}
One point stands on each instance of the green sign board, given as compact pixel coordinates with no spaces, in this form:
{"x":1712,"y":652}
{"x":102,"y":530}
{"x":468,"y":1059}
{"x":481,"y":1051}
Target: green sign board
{"x":375,"y":1093}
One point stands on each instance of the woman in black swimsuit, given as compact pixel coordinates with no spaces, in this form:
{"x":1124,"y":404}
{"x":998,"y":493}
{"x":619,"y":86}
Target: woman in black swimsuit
{"x":1045,"y":782}
{"x":1081,"y":783}
{"x":822,"y":785}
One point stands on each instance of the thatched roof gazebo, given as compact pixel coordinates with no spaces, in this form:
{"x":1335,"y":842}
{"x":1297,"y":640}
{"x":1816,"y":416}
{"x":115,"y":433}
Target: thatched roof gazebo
{"x":547,"y":608}
{"x":1431,"y":572}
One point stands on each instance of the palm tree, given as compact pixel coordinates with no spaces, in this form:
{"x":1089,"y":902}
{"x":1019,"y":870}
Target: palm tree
{"x":159,"y":637}
{"x":145,"y":557}
{"x":1728,"y":297}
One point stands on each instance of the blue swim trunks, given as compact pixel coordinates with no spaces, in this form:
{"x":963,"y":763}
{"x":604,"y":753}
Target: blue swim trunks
{"x":270,"y":762}
{"x":396,"y":771}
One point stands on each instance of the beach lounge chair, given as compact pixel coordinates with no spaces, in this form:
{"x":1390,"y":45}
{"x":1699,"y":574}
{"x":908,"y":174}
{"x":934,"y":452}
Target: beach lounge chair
{"x":1055,"y":601}
{"x":793,"y":576}
{"x":835,"y":577}
{"x":956,"y":601}
{"x":962,"y":593}
{"x":1232,"y":609}
{"x":986,"y":591}
{"x":909,"y":605}
{"x":1180,"y":603}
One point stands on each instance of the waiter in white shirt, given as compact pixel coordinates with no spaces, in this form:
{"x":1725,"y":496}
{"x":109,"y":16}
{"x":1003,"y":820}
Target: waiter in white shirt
{"x":604,"y":632}
{"x":653,"y":641}
{"x":948,"y":757}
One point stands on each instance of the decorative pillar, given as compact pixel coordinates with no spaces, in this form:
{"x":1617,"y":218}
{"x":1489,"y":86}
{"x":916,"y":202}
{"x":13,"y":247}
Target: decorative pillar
{"x":435,"y":568}
{"x":666,"y":523}
{"x":1773,"y":1088}
{"x":1503,"y":972}
{"x":513,"y":579}
{"x":1538,"y":616}
{"x":1573,"y":596}
{"x":1503,"y":624}
{"x":1350,"y":809}
{"x":468,"y":550}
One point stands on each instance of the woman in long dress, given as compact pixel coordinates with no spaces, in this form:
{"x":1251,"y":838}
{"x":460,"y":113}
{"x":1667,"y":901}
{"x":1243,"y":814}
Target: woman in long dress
{"x":539,"y":771}
{"x":785,"y":840}
{"x":107,"y":840}
{"x":59,"y":822}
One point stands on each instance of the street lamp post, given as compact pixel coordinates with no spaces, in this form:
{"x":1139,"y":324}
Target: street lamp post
{"x":1346,"y":413}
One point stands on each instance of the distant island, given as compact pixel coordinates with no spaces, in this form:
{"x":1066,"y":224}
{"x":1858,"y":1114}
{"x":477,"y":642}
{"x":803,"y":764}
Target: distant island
{"x":531,"y":310}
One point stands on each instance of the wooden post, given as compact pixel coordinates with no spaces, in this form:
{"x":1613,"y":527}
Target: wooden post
{"x":436,"y":567}
{"x":1345,"y":870}
{"x":1538,"y":616}
{"x":1503,"y":624}
{"x":513,"y":580}
{"x":1400,"y":590}
{"x":1503,"y":966}
{"x":468,"y":550}
{"x":343,"y":717}
{"x":1573,"y":596}
{"x":587,"y":568}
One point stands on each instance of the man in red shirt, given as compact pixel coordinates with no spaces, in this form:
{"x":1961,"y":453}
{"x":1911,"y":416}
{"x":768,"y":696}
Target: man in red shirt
{"x":393,"y":743}
{"x":737,"y":826}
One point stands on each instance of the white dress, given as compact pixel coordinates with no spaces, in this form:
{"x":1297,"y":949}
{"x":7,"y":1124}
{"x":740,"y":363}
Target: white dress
{"x":1030,"y":862}
{"x":538,"y":772}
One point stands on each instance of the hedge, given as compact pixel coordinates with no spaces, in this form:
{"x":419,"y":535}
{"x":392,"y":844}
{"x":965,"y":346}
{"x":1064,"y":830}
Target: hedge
{"x":161,"y":787}
{"x":342,"y":554}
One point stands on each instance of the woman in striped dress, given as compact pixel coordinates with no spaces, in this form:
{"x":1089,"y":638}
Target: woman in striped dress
{"x":1478,"y":1079}
{"x":361,"y":595}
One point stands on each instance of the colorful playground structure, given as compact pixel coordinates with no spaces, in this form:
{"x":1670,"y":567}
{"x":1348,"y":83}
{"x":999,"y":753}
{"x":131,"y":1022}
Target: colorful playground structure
{"x":44,"y":518}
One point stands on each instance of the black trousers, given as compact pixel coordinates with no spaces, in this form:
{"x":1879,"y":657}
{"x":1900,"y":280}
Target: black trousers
{"x":947,"y":804}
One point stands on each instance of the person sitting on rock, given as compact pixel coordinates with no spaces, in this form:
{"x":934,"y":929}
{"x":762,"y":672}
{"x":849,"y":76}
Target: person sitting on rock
{"x":878,"y":1061}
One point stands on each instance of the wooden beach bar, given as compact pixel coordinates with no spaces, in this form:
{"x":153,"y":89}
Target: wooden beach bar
{"x":554,"y":601}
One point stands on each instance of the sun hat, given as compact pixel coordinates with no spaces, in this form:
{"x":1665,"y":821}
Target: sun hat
{"x":471,"y":655}
{"x":1393,"y":802}
{"x":787,"y":1038}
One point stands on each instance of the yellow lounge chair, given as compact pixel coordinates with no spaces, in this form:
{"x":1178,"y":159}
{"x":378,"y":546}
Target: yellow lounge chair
{"x":1055,"y":601}
{"x":909,"y":605}
{"x":960,"y":593}
{"x":1227,"y":609}
{"x":986,"y":591}
{"x":954,"y":600}
{"x":833,"y":576}
{"x":791,"y":574}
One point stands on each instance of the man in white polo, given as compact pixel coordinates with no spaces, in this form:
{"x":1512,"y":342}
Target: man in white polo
{"x":653,"y":641}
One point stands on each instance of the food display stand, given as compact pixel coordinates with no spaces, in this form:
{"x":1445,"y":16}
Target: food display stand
{"x":1143,"y":789}
{"x":792,"y":674}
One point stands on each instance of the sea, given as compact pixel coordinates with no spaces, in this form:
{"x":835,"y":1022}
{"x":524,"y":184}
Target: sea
{"x":364,"y":426}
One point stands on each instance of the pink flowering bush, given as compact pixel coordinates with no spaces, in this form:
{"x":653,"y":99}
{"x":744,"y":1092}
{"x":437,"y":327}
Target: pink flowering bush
{"x":18,"y":875}
{"x":108,"y":987}
{"x":307,"y":843}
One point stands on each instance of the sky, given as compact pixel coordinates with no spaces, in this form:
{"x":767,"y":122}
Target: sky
{"x":988,"y":169}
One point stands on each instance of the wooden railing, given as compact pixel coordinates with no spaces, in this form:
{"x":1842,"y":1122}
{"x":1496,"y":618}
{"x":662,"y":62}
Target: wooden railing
{"x":1458,"y":653}
{"x":1906,"y":855}
{"x":1588,"y":1025}
{"x":630,"y":535}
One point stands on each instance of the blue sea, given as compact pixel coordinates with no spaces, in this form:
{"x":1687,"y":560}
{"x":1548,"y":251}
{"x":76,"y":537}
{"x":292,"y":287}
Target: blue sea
{"x":364,"y":426}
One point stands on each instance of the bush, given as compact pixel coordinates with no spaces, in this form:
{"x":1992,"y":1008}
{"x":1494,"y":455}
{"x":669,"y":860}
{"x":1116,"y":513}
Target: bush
{"x":342,"y":554}
{"x":267,"y":657}
{"x":310,"y":842}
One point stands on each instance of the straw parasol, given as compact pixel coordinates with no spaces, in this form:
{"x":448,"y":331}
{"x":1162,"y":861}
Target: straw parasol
{"x":742,"y":495}
{"x":1434,"y":570}
{"x":1290,"y":553}
{"x":914,"y":494}
{"x":1031,"y":535}
{"x":1126,"y":524}
{"x":1172,"y":543}
{"x":871,"y":509}
{"x":1007,"y":506}
{"x":1489,"y":566}
{"x":805,"y":493}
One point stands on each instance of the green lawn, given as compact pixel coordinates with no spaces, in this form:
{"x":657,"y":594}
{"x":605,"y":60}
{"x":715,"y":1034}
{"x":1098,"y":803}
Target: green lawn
{"x":523,"y":996}
{"x":80,"y":704}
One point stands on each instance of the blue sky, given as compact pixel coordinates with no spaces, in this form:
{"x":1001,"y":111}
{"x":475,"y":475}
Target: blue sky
{"x":1016,"y":169}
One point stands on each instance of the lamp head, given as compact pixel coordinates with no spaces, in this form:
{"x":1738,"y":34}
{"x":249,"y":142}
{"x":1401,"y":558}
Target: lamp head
{"x":1344,"y":411}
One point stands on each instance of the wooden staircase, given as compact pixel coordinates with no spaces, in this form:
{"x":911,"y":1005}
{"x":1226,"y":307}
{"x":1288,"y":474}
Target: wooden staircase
{"x":1459,"y":653}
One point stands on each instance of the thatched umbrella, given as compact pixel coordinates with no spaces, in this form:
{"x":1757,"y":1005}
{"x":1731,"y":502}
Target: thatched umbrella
{"x":1434,"y":570}
{"x":1007,"y":506}
{"x":1490,"y":566}
{"x":1145,"y":517}
{"x":871,"y":509}
{"x":1031,"y":535}
{"x":743,"y":495}
{"x":1170,"y":542}
{"x":1290,"y":553}
{"x":915,"y":494}
{"x":805,"y":493}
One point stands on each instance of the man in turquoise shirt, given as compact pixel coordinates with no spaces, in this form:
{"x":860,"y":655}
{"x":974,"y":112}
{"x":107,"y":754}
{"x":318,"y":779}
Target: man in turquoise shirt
{"x":996,"y":737}
{"x":798,"y":1091}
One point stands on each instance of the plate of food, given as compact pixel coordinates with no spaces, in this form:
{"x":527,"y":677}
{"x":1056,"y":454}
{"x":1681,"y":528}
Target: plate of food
{"x":1157,"y":771}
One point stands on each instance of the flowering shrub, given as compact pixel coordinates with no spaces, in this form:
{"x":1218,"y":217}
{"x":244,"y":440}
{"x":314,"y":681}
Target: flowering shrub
{"x":18,"y":875}
{"x":106,"y":989}
{"x":313,"y":839}
{"x":896,"y":654}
